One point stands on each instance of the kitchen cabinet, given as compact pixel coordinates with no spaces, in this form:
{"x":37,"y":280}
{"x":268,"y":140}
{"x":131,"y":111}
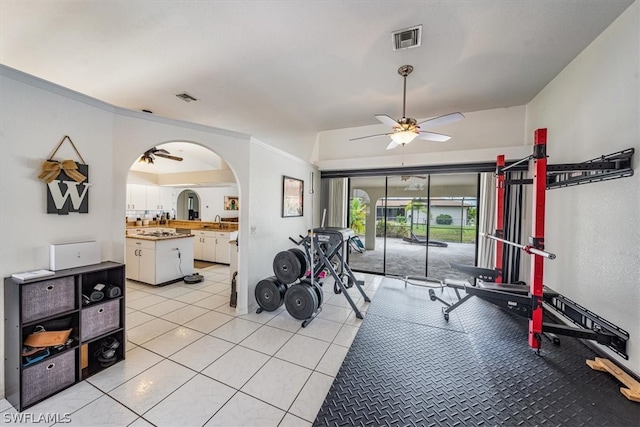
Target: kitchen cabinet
{"x":159,"y":260}
{"x":55,"y":303}
{"x":167,"y":199}
{"x":136,"y":197}
{"x":204,"y":245}
{"x":153,"y":198}
{"x":140,"y":259}
{"x":150,"y":198}
{"x":212,"y":246}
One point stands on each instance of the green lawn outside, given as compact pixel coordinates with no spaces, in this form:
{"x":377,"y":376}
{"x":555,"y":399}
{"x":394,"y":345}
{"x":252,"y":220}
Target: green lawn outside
{"x":445,"y":233}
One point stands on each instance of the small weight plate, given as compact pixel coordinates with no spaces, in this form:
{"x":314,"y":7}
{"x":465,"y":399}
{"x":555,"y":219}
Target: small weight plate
{"x":287,"y":267}
{"x":301,"y":301}
{"x":270,"y":293}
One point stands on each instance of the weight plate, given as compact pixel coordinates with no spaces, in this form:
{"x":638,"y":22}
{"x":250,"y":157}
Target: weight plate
{"x":303,"y":261}
{"x":301,"y":301}
{"x":270,"y":293}
{"x":316,"y":288}
{"x":287,"y":267}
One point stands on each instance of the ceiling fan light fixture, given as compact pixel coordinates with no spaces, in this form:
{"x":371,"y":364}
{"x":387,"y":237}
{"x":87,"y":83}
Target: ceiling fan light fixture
{"x":403,"y":137}
{"x":146,"y":158}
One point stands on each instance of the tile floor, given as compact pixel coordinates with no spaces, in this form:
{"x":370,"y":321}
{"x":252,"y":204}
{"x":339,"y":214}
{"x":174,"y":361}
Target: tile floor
{"x":191,"y":361}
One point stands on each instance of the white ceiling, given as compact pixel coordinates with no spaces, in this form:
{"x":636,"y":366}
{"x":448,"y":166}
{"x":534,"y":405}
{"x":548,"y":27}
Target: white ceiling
{"x":284,"y":70}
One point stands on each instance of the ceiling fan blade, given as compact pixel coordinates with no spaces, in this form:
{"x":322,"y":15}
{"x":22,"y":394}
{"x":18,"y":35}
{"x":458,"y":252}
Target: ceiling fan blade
{"x":387,"y":120}
{"x":370,"y":136}
{"x":432,"y":136}
{"x":392,"y":145}
{"x":442,"y":120}
{"x":167,"y":156}
{"x":161,"y":150}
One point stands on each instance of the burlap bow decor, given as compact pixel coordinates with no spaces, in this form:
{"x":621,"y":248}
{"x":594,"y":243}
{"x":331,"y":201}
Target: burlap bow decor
{"x":52,"y":168}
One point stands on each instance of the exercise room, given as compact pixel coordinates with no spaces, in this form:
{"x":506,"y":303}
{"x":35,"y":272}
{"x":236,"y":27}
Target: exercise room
{"x":320,"y":213}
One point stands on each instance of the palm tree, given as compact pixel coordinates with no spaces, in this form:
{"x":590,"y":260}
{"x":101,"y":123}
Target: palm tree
{"x":415,"y":205}
{"x":357,"y":215}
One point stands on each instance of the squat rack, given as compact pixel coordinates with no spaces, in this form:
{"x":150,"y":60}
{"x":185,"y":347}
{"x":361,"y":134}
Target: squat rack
{"x":529,"y":303}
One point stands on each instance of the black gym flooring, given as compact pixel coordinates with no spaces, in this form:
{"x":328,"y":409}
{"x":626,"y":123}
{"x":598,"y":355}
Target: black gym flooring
{"x":407,"y":366}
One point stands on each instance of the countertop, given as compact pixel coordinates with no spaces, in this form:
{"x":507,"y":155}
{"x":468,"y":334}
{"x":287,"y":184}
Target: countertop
{"x":191,"y":225}
{"x":156,"y":238}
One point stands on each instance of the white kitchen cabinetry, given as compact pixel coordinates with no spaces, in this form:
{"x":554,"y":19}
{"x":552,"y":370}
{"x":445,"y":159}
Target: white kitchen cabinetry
{"x":159,"y":261}
{"x":150,"y":198}
{"x":153,"y":198}
{"x":212,"y":246}
{"x":167,"y":199}
{"x":204,"y":245}
{"x":141,"y":255}
{"x":136,"y":197}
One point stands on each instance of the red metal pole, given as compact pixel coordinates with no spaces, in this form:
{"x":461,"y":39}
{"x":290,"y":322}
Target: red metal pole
{"x":537,"y":241}
{"x":499,"y":232}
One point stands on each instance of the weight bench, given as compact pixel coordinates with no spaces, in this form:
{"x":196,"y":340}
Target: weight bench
{"x":513,"y":297}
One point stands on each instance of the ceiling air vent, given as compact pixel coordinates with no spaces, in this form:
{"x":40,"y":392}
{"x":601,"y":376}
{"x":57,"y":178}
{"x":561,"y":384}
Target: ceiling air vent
{"x":409,"y":37}
{"x":186,"y":97}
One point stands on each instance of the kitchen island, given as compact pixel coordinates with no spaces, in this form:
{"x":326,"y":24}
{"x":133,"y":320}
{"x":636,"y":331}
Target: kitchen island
{"x":159,"y":258}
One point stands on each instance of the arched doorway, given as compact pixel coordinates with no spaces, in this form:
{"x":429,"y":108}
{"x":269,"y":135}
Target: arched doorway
{"x":188,"y":205}
{"x":181,"y":188}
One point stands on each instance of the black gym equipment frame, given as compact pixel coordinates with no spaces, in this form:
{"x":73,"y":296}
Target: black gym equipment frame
{"x":522,"y":300}
{"x":328,"y":244}
{"x":515,"y":299}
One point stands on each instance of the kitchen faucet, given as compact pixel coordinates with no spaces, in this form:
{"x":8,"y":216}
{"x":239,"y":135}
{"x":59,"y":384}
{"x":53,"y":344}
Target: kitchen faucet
{"x":217,"y":219}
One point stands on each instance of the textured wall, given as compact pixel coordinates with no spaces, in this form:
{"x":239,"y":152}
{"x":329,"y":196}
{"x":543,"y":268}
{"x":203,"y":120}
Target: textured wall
{"x":592,"y":108}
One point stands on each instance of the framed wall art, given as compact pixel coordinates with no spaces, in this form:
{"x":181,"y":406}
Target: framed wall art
{"x":292,"y":197}
{"x":231,"y":203}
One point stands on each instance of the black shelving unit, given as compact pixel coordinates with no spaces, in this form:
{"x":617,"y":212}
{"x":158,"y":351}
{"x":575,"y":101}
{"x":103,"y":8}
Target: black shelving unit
{"x":56,"y":303}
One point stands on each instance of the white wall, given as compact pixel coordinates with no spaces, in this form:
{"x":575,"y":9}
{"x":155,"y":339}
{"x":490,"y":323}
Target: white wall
{"x":592,"y":108}
{"x":269,"y":231}
{"x":35,"y":117}
{"x":33,"y":122}
{"x":212,"y":202}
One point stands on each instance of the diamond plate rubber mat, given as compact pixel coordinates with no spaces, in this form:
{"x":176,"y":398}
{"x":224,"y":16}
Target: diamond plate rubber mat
{"x":409,"y":367}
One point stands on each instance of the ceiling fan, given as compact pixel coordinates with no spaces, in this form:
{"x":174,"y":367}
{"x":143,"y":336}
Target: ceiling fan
{"x":407,"y":129}
{"x":408,"y":177}
{"x":150,"y":155}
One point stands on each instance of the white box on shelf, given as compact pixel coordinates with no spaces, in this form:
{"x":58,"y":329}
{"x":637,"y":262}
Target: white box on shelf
{"x":77,"y":254}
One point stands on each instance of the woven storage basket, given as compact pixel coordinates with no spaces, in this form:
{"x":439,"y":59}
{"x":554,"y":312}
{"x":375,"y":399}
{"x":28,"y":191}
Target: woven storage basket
{"x":48,"y":298}
{"x":100,"y":319}
{"x":48,"y":377}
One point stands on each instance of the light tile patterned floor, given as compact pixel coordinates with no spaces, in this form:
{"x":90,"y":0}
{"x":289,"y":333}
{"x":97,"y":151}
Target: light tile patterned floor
{"x":192,"y":362}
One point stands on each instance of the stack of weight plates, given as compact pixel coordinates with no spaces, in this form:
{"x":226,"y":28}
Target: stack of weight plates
{"x":288,"y":266}
{"x":289,"y":286}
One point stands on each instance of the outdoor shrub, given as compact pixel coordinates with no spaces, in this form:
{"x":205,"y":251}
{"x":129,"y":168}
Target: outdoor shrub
{"x":393,"y":229}
{"x":444,"y":219}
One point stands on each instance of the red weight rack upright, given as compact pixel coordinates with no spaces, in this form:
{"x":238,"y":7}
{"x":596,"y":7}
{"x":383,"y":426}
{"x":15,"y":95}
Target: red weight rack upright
{"x":537,"y":232}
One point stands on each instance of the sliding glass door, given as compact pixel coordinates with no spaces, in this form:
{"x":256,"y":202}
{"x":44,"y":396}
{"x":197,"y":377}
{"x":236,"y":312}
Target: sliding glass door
{"x":406,"y":216}
{"x":367,"y":222}
{"x":413,"y":225}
